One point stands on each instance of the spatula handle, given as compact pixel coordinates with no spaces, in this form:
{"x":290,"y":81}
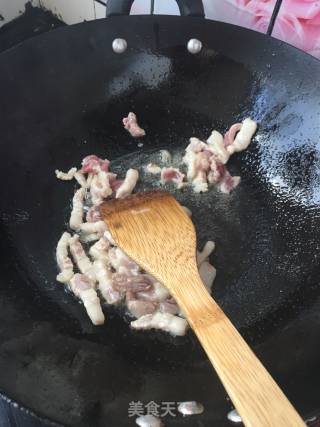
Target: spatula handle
{"x":255,"y":394}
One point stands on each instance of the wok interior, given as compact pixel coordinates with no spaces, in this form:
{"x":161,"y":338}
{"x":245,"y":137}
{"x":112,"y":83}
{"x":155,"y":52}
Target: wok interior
{"x":261,"y":257}
{"x":266,"y":240}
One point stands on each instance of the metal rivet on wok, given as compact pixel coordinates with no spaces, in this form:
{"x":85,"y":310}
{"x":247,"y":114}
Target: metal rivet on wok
{"x":234,"y":416}
{"x":119,"y":45}
{"x":194,"y":46}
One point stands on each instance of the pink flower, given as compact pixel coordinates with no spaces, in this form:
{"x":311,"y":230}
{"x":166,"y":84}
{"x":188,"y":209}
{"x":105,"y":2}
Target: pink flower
{"x":253,"y":14}
{"x":298,"y":23}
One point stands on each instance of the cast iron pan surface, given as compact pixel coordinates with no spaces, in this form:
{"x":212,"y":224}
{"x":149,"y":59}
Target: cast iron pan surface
{"x":62,"y":97}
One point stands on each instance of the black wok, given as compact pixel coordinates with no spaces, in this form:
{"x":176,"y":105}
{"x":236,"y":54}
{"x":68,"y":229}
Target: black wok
{"x":62,"y":97}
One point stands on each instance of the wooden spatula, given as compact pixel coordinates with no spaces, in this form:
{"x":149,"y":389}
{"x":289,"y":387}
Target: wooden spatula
{"x":153,"y":230}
